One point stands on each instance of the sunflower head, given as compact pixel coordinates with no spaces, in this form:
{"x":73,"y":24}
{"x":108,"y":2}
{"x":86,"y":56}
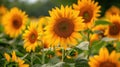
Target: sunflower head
{"x":94,"y":37}
{"x":113,"y":30}
{"x":63,"y":26}
{"x":100,"y":30}
{"x":14,"y":21}
{"x":89,"y":12}
{"x":42,"y":23}
{"x":113,"y":10}
{"x":31,"y":37}
{"x":3,"y":11}
{"x":105,"y":59}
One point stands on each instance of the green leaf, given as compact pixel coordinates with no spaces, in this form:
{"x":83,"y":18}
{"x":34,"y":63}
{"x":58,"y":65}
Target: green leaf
{"x":102,"y":22}
{"x":1,"y":28}
{"x":96,"y":46}
{"x":81,"y":63}
{"x":118,"y":46}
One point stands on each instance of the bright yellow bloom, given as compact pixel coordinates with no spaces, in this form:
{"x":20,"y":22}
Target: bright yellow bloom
{"x":64,"y":24}
{"x":15,"y":59}
{"x":89,"y":10}
{"x":94,"y":37}
{"x":113,"y":10}
{"x":7,"y":56}
{"x":113,"y":30}
{"x":105,"y":59}
{"x":31,"y":37}
{"x":14,"y":22}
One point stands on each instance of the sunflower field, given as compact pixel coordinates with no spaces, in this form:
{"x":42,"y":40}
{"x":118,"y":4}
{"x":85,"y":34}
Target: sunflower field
{"x":74,"y":33}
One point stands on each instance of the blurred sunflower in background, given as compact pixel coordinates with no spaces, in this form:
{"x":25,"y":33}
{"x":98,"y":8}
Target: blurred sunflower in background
{"x":15,"y":61}
{"x":43,"y":22}
{"x":31,"y":37}
{"x":14,"y":22}
{"x":63,"y":27}
{"x":113,"y":10}
{"x":89,"y":10}
{"x":3,"y":11}
{"x":113,"y":30}
{"x":105,"y":59}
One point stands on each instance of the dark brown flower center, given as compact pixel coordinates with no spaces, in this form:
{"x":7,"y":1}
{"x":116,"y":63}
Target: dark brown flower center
{"x":45,"y":45}
{"x":33,"y":37}
{"x":114,"y":29}
{"x":64,"y":27}
{"x":17,"y":22}
{"x":107,"y":64}
{"x":113,"y":13}
{"x":87,"y":14}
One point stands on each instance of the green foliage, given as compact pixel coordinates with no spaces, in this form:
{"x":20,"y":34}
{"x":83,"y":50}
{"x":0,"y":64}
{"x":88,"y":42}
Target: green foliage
{"x":81,"y":63}
{"x":102,"y":22}
{"x":96,"y":45}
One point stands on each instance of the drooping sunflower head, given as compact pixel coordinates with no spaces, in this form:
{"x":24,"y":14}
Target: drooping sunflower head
{"x":100,"y":30}
{"x":113,"y":10}
{"x":63,"y":26}
{"x":14,"y":60}
{"x":113,"y":30}
{"x":105,"y":59}
{"x":31,"y":37}
{"x":14,"y":21}
{"x":89,"y":10}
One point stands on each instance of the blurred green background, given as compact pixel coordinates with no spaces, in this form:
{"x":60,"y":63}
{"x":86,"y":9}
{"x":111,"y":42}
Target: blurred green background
{"x":37,"y":8}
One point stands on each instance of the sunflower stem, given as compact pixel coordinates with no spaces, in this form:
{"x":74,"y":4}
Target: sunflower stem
{"x":63,"y":55}
{"x":5,"y":64}
{"x":25,"y":56}
{"x":43,"y":53}
{"x":89,"y":48}
{"x":43,"y":58}
{"x":32,"y":55}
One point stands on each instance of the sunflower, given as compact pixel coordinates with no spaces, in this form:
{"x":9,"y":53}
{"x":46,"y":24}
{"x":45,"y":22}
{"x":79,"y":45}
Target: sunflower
{"x":3,"y":11}
{"x":113,"y":30}
{"x":19,"y":62}
{"x":14,"y":21}
{"x":113,"y":10}
{"x":63,"y":27}
{"x":31,"y":37}
{"x":43,"y":22}
{"x":100,"y":30}
{"x":105,"y":59}
{"x":89,"y":12}
{"x":94,"y":37}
